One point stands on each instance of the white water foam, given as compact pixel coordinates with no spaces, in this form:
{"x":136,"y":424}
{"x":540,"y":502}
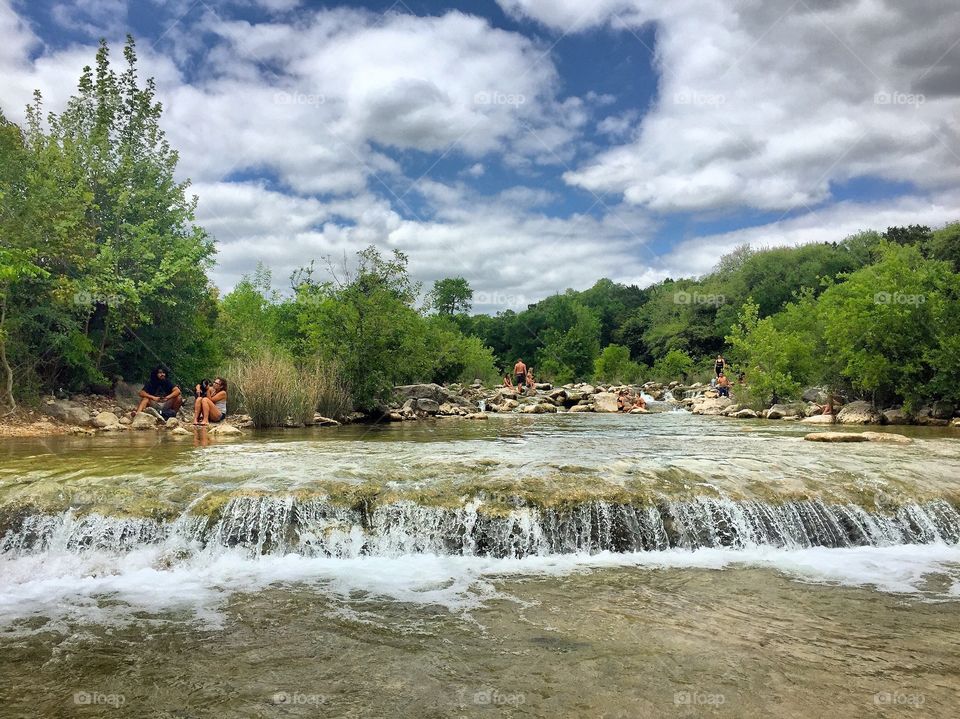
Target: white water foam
{"x":107,"y":588}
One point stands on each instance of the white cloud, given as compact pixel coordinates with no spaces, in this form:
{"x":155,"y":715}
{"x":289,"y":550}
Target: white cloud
{"x":765,"y":104}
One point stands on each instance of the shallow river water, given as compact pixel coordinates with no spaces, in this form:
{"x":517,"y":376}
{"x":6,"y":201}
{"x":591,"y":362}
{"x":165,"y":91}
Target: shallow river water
{"x":544,"y":566}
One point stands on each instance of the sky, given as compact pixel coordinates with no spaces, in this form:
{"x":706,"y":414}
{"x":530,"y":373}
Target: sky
{"x":528,"y":145}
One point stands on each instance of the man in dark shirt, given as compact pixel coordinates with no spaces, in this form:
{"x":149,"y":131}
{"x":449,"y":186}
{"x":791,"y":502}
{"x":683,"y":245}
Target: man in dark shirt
{"x":160,"y":394}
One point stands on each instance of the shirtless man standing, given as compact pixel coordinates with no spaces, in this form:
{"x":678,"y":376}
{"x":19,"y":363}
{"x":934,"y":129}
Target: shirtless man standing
{"x":520,"y":375}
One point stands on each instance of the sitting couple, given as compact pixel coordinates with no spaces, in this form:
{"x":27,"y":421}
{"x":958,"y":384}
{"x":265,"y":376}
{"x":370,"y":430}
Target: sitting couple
{"x":161,"y":398}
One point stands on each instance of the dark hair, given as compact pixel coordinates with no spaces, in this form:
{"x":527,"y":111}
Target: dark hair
{"x":158,"y":369}
{"x":223,"y":383}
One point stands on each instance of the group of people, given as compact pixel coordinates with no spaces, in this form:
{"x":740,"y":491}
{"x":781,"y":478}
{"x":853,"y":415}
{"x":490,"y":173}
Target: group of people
{"x":162,"y":398}
{"x":522,"y":378}
{"x":625,"y":404}
{"x":722,"y":382}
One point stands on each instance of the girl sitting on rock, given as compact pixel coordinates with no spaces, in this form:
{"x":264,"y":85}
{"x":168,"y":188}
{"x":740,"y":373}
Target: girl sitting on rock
{"x":211,"y":406}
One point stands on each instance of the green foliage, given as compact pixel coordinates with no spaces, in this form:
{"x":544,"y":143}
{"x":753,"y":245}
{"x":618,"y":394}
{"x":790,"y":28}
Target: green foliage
{"x":614,"y":366}
{"x":571,"y":340}
{"x":451,"y":296}
{"x":674,"y":365}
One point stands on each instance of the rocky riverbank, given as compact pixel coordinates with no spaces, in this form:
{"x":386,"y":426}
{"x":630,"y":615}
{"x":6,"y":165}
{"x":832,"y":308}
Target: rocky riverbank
{"x":94,"y":414}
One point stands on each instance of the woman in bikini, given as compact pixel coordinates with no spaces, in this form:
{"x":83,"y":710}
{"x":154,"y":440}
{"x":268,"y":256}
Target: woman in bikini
{"x":211,"y":407}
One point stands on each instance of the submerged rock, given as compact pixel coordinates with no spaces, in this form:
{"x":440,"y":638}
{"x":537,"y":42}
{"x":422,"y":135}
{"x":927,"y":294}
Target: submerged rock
{"x":223,"y":429}
{"x":836,"y":437}
{"x":887,"y":437}
{"x":819,"y":419}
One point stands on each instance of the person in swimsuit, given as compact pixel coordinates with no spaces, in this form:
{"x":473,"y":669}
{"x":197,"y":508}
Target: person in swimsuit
{"x":720,"y":365}
{"x":723,"y":385}
{"x":520,"y":375}
{"x":531,"y":382}
{"x":211,"y":407}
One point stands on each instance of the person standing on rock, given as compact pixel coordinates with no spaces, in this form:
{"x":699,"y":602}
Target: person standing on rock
{"x":520,"y":375}
{"x":720,"y":365}
{"x":160,"y":395}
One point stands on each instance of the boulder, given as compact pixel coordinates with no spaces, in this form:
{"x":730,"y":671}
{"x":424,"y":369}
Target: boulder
{"x":125,"y":420}
{"x":817,"y":395}
{"x":223,"y":429}
{"x":448,"y":409}
{"x":394,"y":417}
{"x":543,"y":386}
{"x":711,"y":405}
{"x":427,"y":405}
{"x":955,"y":423}
{"x":126,"y":394}
{"x":928,"y":421}
{"x":586,"y":389}
{"x":66,"y":411}
{"x":836,"y":437}
{"x":887,"y":437}
{"x":605,"y":402}
{"x":895,"y":415}
{"x":476,"y":415}
{"x":729,"y":410}
{"x":581,"y":408}
{"x":509,"y":405}
{"x":782,"y":410}
{"x":818,"y":419}
{"x":639,"y":410}
{"x":859,"y":412}
{"x":319,"y":420}
{"x":144,"y":420}
{"x":746,"y":414}
{"x":942,"y":410}
{"x":172,"y":423}
{"x":106,"y":419}
{"x":435,"y":392}
{"x":180,"y":432}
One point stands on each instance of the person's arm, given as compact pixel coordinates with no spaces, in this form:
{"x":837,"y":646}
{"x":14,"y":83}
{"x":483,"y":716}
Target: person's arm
{"x":175,"y":393}
{"x":222,"y":394}
{"x":146,"y":395}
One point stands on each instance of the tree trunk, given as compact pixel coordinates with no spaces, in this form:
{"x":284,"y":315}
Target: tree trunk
{"x":6,"y":398}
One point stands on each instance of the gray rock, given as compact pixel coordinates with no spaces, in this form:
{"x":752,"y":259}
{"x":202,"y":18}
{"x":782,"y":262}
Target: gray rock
{"x":144,"y":421}
{"x":105,"y":419}
{"x":887,"y":437}
{"x":817,"y":395}
{"x":942,"y":410}
{"x":223,"y":429}
{"x":710,"y":405}
{"x":895,"y":415}
{"x":859,"y":412}
{"x":66,"y":411}
{"x":746,"y":414}
{"x":836,"y":437}
{"x":427,"y":405}
{"x":782,"y":410}
{"x":434,"y":392}
{"x":604,"y":402}
{"x":582,"y":408}
{"x":126,"y":394}
{"x":819,"y":419}
{"x":172,"y":423}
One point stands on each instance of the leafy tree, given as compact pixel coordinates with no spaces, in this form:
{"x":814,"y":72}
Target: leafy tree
{"x":674,"y":365}
{"x":451,"y":296}
{"x":615,"y":366}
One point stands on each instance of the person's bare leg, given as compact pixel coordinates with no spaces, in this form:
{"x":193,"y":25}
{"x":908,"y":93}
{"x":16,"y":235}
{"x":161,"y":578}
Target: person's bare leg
{"x":176,"y":402}
{"x":210,"y":411}
{"x":197,"y":406}
{"x":140,"y":407}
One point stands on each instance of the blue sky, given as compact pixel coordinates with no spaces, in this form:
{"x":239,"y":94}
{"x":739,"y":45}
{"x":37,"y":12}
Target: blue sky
{"x":529,"y":145}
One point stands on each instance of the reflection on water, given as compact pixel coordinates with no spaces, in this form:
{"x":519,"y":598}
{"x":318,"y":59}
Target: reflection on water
{"x":354,"y":572}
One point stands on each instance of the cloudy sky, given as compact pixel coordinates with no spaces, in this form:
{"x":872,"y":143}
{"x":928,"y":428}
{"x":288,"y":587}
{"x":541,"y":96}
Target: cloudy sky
{"x":529,"y":145}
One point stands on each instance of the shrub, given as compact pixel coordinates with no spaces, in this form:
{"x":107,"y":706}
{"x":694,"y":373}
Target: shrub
{"x":272,"y":388}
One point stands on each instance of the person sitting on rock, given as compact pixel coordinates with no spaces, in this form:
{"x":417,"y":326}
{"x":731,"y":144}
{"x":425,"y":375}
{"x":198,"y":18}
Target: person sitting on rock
{"x":531,"y":382}
{"x":159,"y":395}
{"x":723,"y":386}
{"x":507,"y":382}
{"x":211,"y":402}
{"x":640,"y":402}
{"x":622,"y":401}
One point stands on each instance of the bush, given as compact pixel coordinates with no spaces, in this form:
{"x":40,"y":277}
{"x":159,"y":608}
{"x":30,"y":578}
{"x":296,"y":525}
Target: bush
{"x":271,"y":388}
{"x":675,"y":365}
{"x":615,"y":366}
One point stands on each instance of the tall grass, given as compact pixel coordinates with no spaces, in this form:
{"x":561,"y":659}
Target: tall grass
{"x":273,"y":389}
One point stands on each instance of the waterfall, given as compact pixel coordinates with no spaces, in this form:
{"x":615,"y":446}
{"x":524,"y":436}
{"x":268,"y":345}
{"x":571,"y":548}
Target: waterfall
{"x":315,"y":527}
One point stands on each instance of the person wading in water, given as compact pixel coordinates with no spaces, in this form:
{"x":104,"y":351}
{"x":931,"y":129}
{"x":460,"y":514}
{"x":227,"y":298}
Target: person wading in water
{"x":520,"y":375}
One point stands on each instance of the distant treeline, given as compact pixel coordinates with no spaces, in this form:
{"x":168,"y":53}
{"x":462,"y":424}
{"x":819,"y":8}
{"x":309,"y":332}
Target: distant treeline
{"x":104,"y":273}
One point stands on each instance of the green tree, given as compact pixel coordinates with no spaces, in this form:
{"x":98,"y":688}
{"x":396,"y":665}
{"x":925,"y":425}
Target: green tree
{"x":674,"y":365}
{"x":615,"y":366}
{"x":451,"y":296}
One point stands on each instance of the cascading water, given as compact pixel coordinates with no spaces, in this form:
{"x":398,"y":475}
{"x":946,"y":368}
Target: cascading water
{"x":316,"y":527}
